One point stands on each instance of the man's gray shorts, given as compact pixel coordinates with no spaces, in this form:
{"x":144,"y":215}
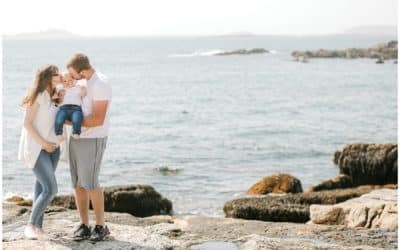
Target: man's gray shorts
{"x":85,"y":155}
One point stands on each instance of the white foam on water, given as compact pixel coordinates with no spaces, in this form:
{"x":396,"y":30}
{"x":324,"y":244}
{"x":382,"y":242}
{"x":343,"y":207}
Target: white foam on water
{"x":199,"y":53}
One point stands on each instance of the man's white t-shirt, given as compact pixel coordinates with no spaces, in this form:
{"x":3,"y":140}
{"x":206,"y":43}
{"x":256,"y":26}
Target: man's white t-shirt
{"x":98,"y":89}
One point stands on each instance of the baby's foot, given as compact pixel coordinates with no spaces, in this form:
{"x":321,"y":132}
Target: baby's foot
{"x":76,"y":136}
{"x":60,"y":138}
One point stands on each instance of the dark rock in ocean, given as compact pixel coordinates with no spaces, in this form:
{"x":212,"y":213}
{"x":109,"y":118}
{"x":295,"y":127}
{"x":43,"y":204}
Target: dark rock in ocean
{"x":373,"y":164}
{"x":137,"y":200}
{"x":278,"y":183}
{"x":289,"y":207}
{"x":339,"y":182}
{"x":380,"y":61}
{"x":383,"y":50}
{"x":243,"y":52}
{"x":395,"y":61}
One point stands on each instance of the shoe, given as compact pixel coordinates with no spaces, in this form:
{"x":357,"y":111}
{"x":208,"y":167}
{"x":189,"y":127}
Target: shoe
{"x":76,"y":136}
{"x":82,"y":232}
{"x":41,"y":234}
{"x":99,"y":233}
{"x":30,"y":232}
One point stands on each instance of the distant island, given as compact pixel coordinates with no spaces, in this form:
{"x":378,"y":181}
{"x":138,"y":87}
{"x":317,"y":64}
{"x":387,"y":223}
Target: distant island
{"x":46,"y":34}
{"x":376,"y":30}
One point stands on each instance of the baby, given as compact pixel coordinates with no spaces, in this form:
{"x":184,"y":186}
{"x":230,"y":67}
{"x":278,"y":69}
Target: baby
{"x":69,"y":96}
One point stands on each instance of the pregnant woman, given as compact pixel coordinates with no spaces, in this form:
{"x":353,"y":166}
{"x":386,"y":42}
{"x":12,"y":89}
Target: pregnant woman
{"x":38,"y":147}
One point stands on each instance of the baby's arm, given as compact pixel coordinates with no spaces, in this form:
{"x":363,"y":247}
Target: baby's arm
{"x":59,"y":96}
{"x":83,"y":91}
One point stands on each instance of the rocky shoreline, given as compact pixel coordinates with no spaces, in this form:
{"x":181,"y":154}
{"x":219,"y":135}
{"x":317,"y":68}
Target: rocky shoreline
{"x":190,"y":232}
{"x":355,"y":210}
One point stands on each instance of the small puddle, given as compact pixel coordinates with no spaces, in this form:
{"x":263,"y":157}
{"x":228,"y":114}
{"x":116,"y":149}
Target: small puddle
{"x":215,"y":245}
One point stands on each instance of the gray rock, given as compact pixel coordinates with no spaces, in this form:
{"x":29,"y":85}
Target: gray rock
{"x":182,"y":232}
{"x":377,"y":209}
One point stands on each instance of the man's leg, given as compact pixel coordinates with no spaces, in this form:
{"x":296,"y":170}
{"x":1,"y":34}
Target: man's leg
{"x":97,"y":197}
{"x":82,"y":204}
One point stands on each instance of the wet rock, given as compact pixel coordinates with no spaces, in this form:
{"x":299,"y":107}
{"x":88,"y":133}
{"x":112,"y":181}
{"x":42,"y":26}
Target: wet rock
{"x":138,"y":200}
{"x":339,"y":182}
{"x":278,"y":183}
{"x":377,"y":209}
{"x":369,"y":164}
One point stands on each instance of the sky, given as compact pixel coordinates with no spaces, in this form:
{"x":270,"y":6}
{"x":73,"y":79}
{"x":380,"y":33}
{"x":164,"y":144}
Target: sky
{"x":187,"y":17}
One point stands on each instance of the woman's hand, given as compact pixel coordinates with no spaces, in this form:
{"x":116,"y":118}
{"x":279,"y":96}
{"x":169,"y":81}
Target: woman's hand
{"x":49,"y":147}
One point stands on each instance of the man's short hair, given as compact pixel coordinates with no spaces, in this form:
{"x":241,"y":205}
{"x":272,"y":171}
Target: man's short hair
{"x":79,"y":62}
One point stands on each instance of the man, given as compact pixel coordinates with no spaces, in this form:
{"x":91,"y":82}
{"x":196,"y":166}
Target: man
{"x":86,"y":153}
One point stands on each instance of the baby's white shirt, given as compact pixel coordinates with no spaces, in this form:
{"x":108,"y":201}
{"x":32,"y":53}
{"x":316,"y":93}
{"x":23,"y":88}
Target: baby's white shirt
{"x":72,"y":96}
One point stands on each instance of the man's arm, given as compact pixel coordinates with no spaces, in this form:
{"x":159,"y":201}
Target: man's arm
{"x":99,"y":109}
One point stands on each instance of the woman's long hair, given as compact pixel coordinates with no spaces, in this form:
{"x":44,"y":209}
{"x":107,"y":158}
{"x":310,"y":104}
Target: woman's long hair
{"x":43,"y":80}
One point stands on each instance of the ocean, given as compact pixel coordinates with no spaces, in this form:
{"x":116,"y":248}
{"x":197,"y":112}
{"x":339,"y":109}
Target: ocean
{"x":217,"y":124}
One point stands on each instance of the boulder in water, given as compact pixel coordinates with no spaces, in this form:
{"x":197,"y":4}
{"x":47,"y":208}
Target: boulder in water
{"x":339,"y":182}
{"x":278,"y":183}
{"x":137,"y":200}
{"x":368,"y":164}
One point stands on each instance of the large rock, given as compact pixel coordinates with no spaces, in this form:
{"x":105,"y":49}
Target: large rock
{"x":377,"y":209}
{"x":339,"y":182}
{"x":278,"y":183}
{"x":138,"y":200}
{"x":289,"y":207}
{"x":368,"y":164}
{"x":382,"y":50}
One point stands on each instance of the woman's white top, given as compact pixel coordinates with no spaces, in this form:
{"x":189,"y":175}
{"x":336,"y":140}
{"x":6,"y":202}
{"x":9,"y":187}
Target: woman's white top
{"x":73,"y":96}
{"x":44,"y":120}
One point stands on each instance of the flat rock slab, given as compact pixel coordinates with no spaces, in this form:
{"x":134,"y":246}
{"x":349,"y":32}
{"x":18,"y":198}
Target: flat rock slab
{"x":377,"y":209}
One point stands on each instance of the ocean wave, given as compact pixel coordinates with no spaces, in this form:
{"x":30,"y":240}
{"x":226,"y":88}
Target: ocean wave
{"x":217,"y":52}
{"x":169,"y":170}
{"x":199,"y":53}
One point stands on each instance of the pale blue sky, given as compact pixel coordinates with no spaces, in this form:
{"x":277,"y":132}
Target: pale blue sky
{"x":185,"y":17}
